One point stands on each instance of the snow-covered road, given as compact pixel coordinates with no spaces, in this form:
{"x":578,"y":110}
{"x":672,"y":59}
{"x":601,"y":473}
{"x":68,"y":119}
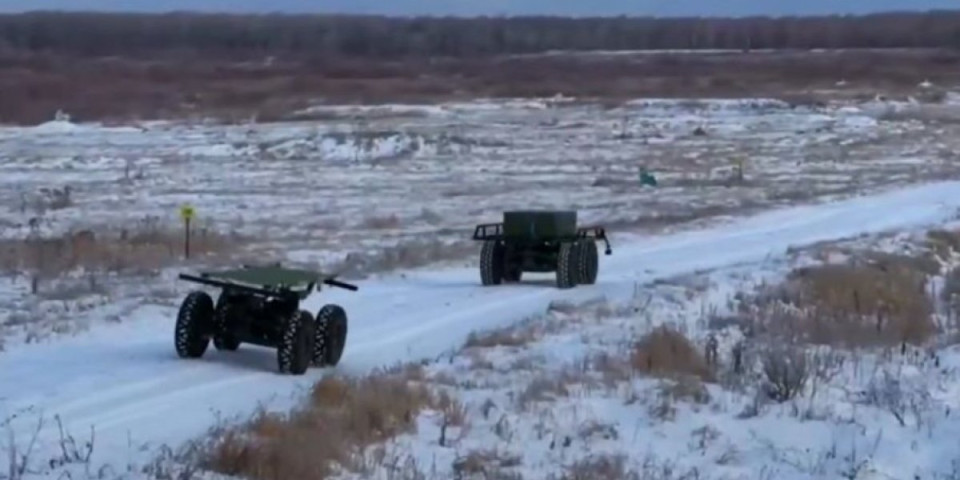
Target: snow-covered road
{"x":126,"y":382}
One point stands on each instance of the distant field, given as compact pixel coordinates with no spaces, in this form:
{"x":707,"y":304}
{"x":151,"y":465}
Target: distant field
{"x":36,"y":85}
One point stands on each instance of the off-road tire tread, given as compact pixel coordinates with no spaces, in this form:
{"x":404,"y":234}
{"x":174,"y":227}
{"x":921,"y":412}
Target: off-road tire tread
{"x":567,"y":265}
{"x":589,"y":261}
{"x":491,"y":263}
{"x":296,"y":344}
{"x":194,"y":321}
{"x":323,"y":354}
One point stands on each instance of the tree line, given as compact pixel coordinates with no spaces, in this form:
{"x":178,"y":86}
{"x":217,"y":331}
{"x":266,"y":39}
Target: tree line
{"x":394,"y":37}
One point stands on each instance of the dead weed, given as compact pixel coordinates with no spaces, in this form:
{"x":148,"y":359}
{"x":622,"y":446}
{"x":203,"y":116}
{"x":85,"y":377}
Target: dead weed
{"x":943,"y":242}
{"x":130,"y":250}
{"x":487,"y":465}
{"x":665,"y":352}
{"x":341,"y":418}
{"x":881,"y":301}
{"x":600,"y":467}
{"x":503,"y":337}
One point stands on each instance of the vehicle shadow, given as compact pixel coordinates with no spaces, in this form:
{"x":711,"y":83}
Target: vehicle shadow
{"x":440,"y":284}
{"x":249,"y":358}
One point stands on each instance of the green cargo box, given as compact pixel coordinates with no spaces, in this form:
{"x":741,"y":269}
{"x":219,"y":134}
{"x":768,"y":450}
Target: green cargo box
{"x":539,"y":224}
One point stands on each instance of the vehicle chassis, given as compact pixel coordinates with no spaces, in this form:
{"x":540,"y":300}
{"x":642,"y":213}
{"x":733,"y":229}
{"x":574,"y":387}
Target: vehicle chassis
{"x":574,"y":258}
{"x":261,"y":306}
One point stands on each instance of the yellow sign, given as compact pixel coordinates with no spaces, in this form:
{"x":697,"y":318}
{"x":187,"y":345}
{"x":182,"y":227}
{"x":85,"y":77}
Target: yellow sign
{"x":187,"y":212}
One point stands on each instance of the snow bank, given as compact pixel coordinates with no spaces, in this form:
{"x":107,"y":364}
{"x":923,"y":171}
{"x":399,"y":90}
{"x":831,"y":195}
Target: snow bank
{"x":218,"y":150}
{"x":63,"y":126}
{"x":363,"y":147}
{"x":710,"y":105}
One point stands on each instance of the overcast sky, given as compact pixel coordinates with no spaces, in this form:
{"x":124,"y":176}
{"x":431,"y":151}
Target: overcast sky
{"x":496,"y":7}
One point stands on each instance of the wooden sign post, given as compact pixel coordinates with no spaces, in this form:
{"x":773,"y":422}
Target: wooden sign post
{"x":186,"y":214}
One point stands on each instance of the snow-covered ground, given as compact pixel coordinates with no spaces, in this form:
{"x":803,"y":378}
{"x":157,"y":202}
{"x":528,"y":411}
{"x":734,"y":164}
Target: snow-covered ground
{"x":402,"y":186}
{"x":328,"y":182}
{"x":124,"y":384}
{"x":559,"y":396}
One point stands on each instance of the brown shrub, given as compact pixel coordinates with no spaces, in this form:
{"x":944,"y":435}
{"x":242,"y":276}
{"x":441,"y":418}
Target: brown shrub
{"x":341,"y":417}
{"x":786,"y":373}
{"x":665,"y":352}
{"x":857,"y":304}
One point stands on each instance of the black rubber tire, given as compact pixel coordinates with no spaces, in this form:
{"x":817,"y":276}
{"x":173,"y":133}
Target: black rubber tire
{"x":589,"y":263}
{"x":222,"y":339}
{"x":296,"y":344}
{"x":567,"y":262}
{"x":330,"y":338}
{"x":194,"y":325}
{"x":491,"y":263}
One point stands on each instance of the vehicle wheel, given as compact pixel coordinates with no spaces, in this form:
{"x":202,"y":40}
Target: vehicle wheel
{"x":296,"y":345}
{"x":330,"y":337}
{"x":222,"y":339}
{"x":589,"y":262}
{"x":194,"y":324}
{"x":567,"y":265}
{"x":491,"y":263}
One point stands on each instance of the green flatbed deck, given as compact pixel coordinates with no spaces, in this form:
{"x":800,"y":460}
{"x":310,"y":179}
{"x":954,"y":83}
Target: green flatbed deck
{"x":266,"y":276}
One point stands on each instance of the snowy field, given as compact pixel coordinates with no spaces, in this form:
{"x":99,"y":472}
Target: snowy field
{"x":122,"y":385}
{"x":380,"y":191}
{"x":361,"y":191}
{"x":577,"y":392}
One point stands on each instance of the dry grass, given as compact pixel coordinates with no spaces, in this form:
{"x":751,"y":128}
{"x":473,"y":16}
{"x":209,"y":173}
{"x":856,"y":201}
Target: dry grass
{"x":943,"y":243}
{"x":951,"y":290}
{"x":502,"y":337}
{"x":667,"y":353}
{"x":341,"y":418}
{"x":454,"y":412}
{"x":381,"y":222}
{"x":137,"y":250}
{"x":689,"y":388}
{"x":544,"y":388}
{"x":786,"y":372}
{"x":882,"y":302}
{"x":600,"y":467}
{"x":487,"y":465}
{"x":409,"y":254}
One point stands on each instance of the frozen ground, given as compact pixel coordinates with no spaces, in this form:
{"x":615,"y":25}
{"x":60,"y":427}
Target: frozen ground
{"x":402,"y":186}
{"x":124,"y":384}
